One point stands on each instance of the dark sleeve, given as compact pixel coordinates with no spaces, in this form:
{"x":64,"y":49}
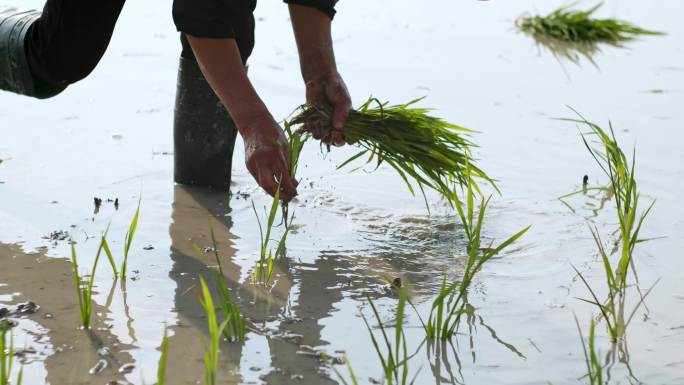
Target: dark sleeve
{"x":204,"y":18}
{"x":325,"y":6}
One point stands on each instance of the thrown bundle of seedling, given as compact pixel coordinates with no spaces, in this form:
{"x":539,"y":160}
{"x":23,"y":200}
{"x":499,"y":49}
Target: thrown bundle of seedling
{"x":420,"y":147}
{"x":580,"y":27}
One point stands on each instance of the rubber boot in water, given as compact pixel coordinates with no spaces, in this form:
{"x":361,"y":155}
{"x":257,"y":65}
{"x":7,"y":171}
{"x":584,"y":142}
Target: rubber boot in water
{"x":15,"y":74}
{"x":203,"y":132}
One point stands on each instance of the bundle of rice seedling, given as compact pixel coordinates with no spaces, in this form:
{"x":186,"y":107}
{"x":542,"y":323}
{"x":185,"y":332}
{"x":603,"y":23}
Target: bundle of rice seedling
{"x":579,"y":27}
{"x":430,"y":151}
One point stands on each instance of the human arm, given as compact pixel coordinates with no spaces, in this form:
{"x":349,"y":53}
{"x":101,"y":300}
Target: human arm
{"x":324,"y":85}
{"x":266,"y":149}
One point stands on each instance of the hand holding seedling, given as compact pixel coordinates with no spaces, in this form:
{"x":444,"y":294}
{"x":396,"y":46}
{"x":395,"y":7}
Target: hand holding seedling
{"x":267,"y":157}
{"x":324,"y":85}
{"x":329,"y":90}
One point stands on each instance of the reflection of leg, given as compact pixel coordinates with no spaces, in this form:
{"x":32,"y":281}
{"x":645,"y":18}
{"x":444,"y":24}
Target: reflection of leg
{"x":316,"y":302}
{"x":42,"y":53}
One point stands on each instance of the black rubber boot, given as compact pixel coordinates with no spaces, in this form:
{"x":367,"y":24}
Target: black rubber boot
{"x":203,"y":132}
{"x":15,"y":74}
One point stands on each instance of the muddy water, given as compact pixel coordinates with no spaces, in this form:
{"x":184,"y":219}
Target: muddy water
{"x":110,"y":136}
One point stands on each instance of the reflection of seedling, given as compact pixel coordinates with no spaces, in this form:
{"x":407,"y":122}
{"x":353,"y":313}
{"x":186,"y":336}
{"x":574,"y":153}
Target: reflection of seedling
{"x":235,"y":328}
{"x":84,"y":286}
{"x":623,"y":186}
{"x":7,"y":356}
{"x":211,"y":347}
{"x":418,"y":146}
{"x":161,"y":368}
{"x":594,"y":367}
{"x":268,"y":257}
{"x":394,"y":360}
{"x":352,"y":376}
{"x":450,"y":304}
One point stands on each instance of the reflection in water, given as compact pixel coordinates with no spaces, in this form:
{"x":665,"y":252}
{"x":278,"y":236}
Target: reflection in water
{"x":71,"y":352}
{"x":285,"y":320}
{"x":269,"y":311}
{"x":569,"y":52}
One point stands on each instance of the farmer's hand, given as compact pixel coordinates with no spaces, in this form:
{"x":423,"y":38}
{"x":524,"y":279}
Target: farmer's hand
{"x":328,"y":89}
{"x":324,"y":85}
{"x":267,"y":157}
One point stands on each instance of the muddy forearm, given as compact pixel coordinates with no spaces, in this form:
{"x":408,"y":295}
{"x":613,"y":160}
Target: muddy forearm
{"x":312,"y":29}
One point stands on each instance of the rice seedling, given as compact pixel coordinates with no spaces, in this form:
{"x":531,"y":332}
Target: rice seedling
{"x":352,"y":376}
{"x":296,"y":142}
{"x":161,"y":367}
{"x":269,"y":257}
{"x":211,"y":346}
{"x":580,"y":27}
{"x":591,"y":356}
{"x":432,"y":152}
{"x":7,"y":356}
{"x":235,"y":328}
{"x":84,"y":285}
{"x":393,"y":356}
{"x":451,"y":304}
{"x":621,"y":173}
{"x":128,"y":240}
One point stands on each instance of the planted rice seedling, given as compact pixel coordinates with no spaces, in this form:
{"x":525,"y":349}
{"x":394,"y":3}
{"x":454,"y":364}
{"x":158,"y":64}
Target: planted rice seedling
{"x":211,"y":346}
{"x":393,"y":356}
{"x":430,"y":151}
{"x":451,"y":303}
{"x":235,"y":327}
{"x":269,"y":257}
{"x":7,"y":356}
{"x":128,"y":240}
{"x":352,"y":376}
{"x":161,"y":367}
{"x":296,"y":142}
{"x":84,"y":284}
{"x":580,"y":27}
{"x":621,"y":173}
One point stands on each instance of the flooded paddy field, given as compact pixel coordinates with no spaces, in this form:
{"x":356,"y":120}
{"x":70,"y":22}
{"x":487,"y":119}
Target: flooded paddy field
{"x":110,"y":136}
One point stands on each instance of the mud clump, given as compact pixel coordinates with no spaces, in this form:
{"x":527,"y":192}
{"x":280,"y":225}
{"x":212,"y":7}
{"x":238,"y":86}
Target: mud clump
{"x":57,"y":235}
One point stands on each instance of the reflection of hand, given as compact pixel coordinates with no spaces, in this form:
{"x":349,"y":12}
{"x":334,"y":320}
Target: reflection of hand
{"x":329,"y":90}
{"x":267,"y":157}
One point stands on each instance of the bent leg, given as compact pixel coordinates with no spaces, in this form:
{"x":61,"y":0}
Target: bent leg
{"x":65,"y":44}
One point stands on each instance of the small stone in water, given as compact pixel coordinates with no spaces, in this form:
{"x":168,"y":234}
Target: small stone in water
{"x":104,"y":352}
{"x":27,"y":308}
{"x":100,"y":366}
{"x":127,"y":368}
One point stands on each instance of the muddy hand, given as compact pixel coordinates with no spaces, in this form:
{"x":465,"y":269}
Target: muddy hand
{"x":267,"y":159}
{"x":329,"y":89}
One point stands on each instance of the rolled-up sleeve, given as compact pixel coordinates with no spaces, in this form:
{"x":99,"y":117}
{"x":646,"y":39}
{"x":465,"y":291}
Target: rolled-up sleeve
{"x":204,"y":18}
{"x":325,"y":6}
